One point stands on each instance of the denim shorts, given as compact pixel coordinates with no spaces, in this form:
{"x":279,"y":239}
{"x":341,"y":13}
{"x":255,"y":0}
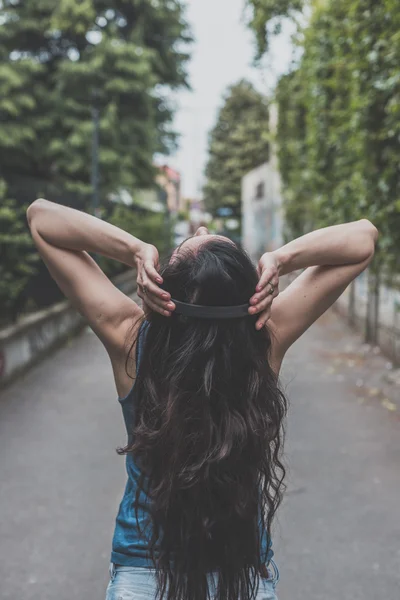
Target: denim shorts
{"x":139,"y":583}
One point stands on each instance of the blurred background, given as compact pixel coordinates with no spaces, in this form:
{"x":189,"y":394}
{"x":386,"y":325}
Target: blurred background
{"x":261,"y":119}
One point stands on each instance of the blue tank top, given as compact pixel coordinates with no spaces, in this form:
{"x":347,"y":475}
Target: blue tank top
{"x":130,"y":542}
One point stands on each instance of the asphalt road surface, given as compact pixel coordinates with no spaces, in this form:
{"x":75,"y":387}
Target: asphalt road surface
{"x":337,"y":536}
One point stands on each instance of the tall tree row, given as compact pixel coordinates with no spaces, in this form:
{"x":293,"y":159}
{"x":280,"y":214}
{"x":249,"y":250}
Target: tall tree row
{"x":61,"y":57}
{"x":339,"y":126}
{"x":60,"y":60}
{"x":238,"y":143}
{"x":265,"y":19}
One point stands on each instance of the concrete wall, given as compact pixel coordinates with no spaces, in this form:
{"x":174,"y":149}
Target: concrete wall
{"x":28,"y":341}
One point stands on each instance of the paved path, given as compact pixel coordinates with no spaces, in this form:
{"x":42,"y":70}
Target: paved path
{"x":338,"y":533}
{"x":338,"y":536}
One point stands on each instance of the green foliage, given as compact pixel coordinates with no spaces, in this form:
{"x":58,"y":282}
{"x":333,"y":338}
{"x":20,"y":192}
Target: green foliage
{"x":264,"y":13}
{"x":60,"y":59}
{"x":183,"y":215}
{"x":339,"y":127}
{"x":238,"y":143}
{"x":18,"y":261}
{"x":153,"y":228}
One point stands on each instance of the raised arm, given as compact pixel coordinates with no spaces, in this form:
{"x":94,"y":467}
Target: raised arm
{"x":64,"y":237}
{"x":346,"y":244}
{"x":332,"y":257}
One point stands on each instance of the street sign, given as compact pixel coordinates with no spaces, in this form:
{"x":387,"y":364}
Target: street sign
{"x":224,"y":211}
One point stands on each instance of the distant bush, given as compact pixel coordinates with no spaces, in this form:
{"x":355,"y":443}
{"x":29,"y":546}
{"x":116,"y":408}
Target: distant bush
{"x":18,"y":261}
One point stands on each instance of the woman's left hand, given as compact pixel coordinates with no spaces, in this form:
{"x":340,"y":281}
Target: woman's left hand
{"x":147,"y":278}
{"x":267,"y":289}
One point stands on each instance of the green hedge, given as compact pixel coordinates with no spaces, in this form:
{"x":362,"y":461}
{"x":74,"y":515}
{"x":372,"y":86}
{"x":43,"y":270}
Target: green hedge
{"x":339,"y":124}
{"x":153,"y":228}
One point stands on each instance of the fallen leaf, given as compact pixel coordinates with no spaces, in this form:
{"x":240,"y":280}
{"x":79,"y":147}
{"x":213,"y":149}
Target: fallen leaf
{"x":373,"y":391}
{"x":389,"y":405}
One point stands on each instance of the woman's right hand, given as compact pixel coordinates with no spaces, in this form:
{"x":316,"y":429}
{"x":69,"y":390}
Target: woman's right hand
{"x":153,"y":297}
{"x":267,"y":288}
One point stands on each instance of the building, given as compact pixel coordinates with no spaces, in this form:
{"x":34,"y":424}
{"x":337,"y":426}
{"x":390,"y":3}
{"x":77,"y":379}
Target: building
{"x":193,"y":217}
{"x":262,"y":212}
{"x":170,"y":181}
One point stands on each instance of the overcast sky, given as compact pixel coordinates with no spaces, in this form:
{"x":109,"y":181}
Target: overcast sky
{"x":221,"y":55}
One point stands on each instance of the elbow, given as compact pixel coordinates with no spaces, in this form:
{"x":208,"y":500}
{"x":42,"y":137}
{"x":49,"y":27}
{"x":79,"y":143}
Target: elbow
{"x":372,"y":234}
{"x":35,"y":209}
{"x":372,"y":230}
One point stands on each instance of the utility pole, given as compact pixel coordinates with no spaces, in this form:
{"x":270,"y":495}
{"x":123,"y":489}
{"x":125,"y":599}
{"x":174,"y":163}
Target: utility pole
{"x":95,"y":155}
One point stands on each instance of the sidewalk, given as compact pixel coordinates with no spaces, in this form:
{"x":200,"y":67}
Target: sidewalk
{"x":338,"y":533}
{"x":374,"y":376}
{"x":338,"y":530}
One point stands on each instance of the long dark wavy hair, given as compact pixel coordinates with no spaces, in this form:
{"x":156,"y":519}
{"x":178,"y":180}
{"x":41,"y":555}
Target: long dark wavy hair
{"x":208,"y":431}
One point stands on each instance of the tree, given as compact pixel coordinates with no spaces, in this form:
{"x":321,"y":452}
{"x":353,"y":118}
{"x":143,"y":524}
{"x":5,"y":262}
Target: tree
{"x":291,"y":138}
{"x":18,"y":260}
{"x":153,"y":227}
{"x":61,"y":57}
{"x":238,"y":143}
{"x":264,"y":13}
{"x":339,"y":132}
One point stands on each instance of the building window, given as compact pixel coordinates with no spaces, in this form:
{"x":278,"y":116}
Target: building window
{"x":260,"y":189}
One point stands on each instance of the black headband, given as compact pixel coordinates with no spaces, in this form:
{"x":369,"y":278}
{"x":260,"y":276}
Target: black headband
{"x":211,"y":312}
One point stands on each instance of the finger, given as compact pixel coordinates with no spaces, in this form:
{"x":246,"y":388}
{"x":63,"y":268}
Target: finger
{"x":139,"y":290}
{"x":163,"y":306}
{"x":160,"y":305}
{"x":260,"y":306}
{"x":266,"y":276}
{"x":274,"y":279}
{"x":156,"y":307}
{"x":263,"y":319}
{"x":265,"y":293}
{"x":261,"y":296}
{"x":264,"y":309}
{"x":152,"y":288}
{"x":146,"y":308}
{"x":159,"y":297}
{"x":152,"y":272}
{"x":139,"y":284}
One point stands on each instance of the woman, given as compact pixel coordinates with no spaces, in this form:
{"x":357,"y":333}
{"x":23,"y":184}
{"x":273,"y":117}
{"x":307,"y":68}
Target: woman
{"x":196,"y":372}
